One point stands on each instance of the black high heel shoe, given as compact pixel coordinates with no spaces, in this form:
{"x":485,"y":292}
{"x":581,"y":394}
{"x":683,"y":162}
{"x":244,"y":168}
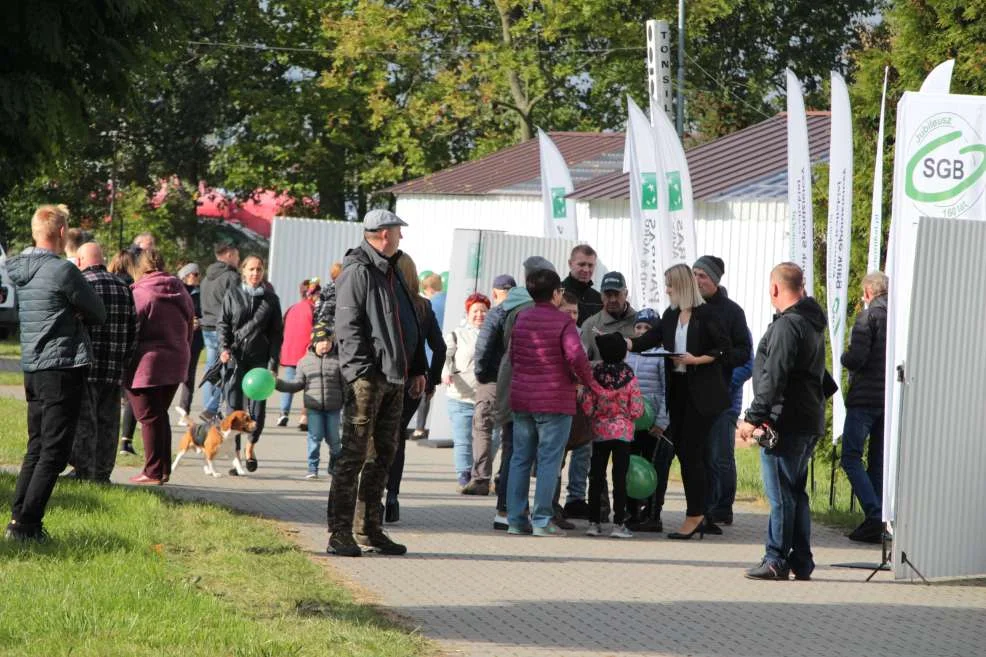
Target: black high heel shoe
{"x":699,"y":529}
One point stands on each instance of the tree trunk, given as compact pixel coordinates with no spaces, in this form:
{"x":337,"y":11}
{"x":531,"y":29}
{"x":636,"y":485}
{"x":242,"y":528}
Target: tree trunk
{"x":521,"y":102}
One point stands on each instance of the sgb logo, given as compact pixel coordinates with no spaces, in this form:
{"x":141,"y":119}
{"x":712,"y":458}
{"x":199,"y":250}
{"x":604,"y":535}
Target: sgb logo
{"x":944,"y":176}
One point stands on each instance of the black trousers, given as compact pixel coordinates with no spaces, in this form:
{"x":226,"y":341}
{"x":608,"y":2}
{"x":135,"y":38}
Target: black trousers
{"x":53,"y":401}
{"x":601,"y":451}
{"x":188,"y":388}
{"x":689,"y":430}
{"x":506,"y":452}
{"x":236,"y":400}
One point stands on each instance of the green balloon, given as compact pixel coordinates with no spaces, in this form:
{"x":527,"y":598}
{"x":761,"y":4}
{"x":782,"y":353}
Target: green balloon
{"x":444,"y":276}
{"x":641,"y":478}
{"x":645,"y":421}
{"x":425,"y":274}
{"x":258,"y":384}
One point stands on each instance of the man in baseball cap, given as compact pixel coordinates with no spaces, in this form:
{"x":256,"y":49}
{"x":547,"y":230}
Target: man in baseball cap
{"x":502,"y":285}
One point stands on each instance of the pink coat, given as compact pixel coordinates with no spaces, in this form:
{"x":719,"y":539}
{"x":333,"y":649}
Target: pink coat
{"x":297,"y":332}
{"x":547,"y":358}
{"x":164,"y":331}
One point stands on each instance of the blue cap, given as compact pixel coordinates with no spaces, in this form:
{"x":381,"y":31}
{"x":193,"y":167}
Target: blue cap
{"x":504,"y":282}
{"x":647,"y":316}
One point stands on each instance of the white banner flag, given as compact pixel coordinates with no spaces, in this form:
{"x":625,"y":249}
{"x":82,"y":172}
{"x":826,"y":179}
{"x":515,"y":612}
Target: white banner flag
{"x":799,"y":183}
{"x":556,"y":184}
{"x":939,"y":171}
{"x":681,"y":205}
{"x":648,"y":212}
{"x":876,"y":217}
{"x":839,"y":237}
{"x":939,"y":81}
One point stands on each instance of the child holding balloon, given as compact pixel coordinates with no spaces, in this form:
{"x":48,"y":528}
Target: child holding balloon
{"x":650,"y":441}
{"x":612,"y":413}
{"x":319,"y":375}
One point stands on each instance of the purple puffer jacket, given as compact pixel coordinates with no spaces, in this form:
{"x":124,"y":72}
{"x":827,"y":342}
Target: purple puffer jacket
{"x":164,"y":331}
{"x":547,"y":358}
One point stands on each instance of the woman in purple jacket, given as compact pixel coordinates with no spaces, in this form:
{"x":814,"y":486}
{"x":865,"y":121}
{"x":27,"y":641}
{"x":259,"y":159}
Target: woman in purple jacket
{"x":164,"y":332}
{"x":547,"y":358}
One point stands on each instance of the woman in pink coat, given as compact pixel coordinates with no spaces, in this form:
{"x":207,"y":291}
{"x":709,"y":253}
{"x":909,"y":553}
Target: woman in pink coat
{"x":165,"y":315}
{"x":547,"y":359}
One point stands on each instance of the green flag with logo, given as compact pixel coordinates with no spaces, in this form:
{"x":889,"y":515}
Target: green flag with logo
{"x":648,"y":191}
{"x":558,"y":205}
{"x":675,"y":199}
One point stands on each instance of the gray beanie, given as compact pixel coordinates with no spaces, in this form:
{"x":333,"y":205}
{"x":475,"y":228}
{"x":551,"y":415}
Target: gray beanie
{"x":537,"y":263}
{"x":712,"y":266}
{"x":190,"y":268}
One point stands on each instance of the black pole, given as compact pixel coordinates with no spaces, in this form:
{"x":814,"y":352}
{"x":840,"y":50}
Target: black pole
{"x":835,"y":456}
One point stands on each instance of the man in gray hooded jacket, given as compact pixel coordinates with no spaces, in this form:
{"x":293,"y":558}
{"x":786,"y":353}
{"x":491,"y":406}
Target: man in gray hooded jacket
{"x":381,"y":349}
{"x":55,"y":302}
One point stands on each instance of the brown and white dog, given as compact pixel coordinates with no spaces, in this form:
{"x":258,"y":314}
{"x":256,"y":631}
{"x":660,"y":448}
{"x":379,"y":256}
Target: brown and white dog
{"x":209,"y":438}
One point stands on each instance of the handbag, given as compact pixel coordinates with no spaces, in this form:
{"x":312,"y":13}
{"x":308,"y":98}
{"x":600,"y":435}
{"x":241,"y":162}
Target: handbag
{"x":581,"y":433}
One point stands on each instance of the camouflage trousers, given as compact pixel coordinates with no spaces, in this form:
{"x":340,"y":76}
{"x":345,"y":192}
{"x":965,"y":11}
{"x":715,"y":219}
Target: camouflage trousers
{"x":370,"y":430}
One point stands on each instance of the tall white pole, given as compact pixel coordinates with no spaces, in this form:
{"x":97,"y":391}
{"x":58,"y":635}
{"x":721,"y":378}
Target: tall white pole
{"x":680,"y":123}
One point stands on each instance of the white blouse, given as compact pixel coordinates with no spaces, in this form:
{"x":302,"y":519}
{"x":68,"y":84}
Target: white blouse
{"x":681,"y":344}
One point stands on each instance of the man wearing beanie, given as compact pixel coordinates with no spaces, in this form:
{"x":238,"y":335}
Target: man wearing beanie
{"x":720,"y":459}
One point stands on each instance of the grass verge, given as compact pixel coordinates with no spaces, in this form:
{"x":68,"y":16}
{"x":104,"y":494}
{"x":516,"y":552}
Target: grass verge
{"x":11,"y":378}
{"x":10,"y":347}
{"x":132,"y":572}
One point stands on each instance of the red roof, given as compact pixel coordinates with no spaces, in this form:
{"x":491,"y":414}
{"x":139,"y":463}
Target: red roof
{"x":755,"y":154}
{"x":515,"y":165}
{"x":755,"y":158}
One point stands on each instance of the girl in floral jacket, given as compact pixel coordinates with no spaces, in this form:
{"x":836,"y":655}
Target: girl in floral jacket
{"x":612,"y":412}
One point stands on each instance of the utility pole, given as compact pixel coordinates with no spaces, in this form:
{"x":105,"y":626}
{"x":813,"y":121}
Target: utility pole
{"x":680,"y":123}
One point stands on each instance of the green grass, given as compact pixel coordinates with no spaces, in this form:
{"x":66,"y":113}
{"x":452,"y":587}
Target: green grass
{"x":749,"y":485}
{"x":11,"y":378}
{"x":132,"y":572}
{"x":10,"y":347}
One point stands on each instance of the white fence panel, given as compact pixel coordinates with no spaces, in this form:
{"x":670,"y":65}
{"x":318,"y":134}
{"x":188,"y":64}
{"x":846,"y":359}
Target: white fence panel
{"x":302,"y":248}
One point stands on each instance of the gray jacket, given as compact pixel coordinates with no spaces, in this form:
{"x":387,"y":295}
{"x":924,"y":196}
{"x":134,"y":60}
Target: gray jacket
{"x":603,"y":322}
{"x":517,"y":299}
{"x":321,"y":379}
{"x":219,"y":278}
{"x":54,"y":301}
{"x":370,"y":329}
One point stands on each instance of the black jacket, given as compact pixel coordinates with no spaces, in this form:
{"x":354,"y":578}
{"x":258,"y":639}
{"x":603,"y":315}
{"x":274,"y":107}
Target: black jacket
{"x":489,"y":345}
{"x":251,"y":328}
{"x":54,"y":302}
{"x":789,"y":371}
{"x":219,"y":278}
{"x":590,"y":301}
{"x":706,"y":337}
{"x":374,"y":337}
{"x":733,"y":321}
{"x":866,"y":357}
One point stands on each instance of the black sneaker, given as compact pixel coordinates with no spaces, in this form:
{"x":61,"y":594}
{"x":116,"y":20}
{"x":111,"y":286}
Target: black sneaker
{"x":127,"y":447}
{"x":382,"y":543}
{"x":578,"y":509}
{"x":282,"y":421}
{"x":344,"y":545}
{"x":870,"y":531}
{"x":22,"y":534}
{"x":767,"y":570}
{"x":562,"y":523}
{"x":648,"y":525}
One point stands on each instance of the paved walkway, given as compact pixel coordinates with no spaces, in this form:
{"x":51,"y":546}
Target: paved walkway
{"x":483,"y":593}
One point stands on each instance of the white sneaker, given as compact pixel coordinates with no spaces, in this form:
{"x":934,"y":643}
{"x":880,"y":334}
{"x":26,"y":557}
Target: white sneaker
{"x":620,"y":531}
{"x":311,"y":475}
{"x":595,"y":529}
{"x":282,"y":421}
{"x":182,"y":422}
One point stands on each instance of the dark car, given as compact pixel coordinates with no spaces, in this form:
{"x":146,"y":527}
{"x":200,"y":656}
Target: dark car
{"x":8,"y":300}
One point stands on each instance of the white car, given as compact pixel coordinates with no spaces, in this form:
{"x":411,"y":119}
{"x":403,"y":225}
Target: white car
{"x":8,"y":300}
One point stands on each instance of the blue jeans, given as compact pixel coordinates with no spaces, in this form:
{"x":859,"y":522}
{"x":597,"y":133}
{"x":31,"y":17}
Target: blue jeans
{"x":287,"y":397}
{"x":578,"y":472}
{"x":460,"y":415}
{"x":866,"y":484}
{"x":323,"y":425}
{"x":544,"y":435}
{"x":720,"y":465}
{"x":211,"y":394}
{"x":785,"y":479}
